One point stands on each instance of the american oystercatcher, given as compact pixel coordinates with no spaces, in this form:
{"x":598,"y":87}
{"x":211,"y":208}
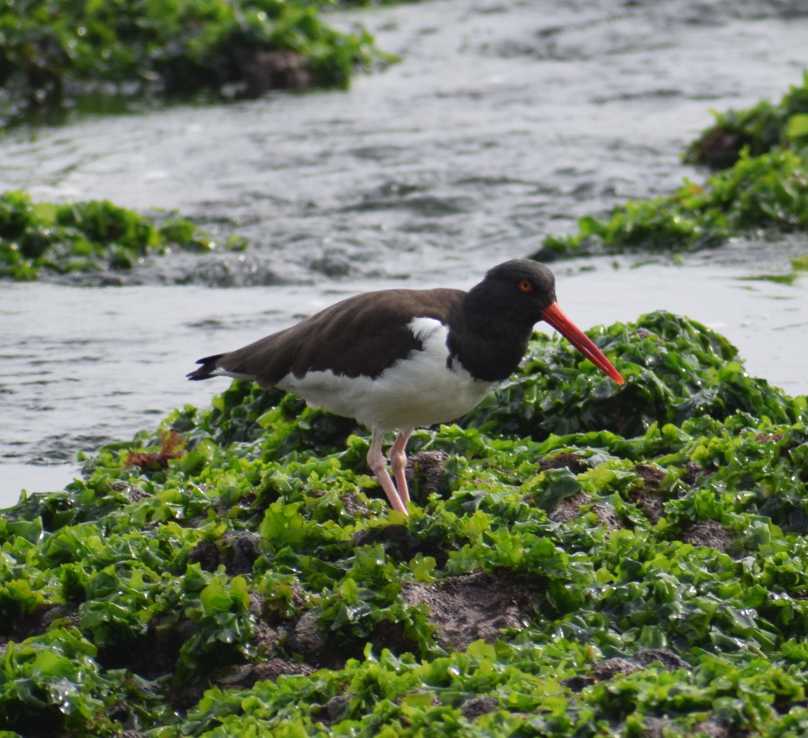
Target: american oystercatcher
{"x":398,"y":359}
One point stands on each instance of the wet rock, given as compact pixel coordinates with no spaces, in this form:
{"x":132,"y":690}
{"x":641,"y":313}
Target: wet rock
{"x":480,"y":705}
{"x":424,"y":470}
{"x":354,"y":506}
{"x":651,"y":476}
{"x":691,"y":473}
{"x":721,"y":147}
{"x":471,"y":607}
{"x":711,"y":534}
{"x":668,"y":659}
{"x":335,"y":708}
{"x":242,"y":550}
{"x":653,"y":506}
{"x":570,"y":509}
{"x":206,"y":554}
{"x":658,"y":727}
{"x":265,"y":638}
{"x":712,"y":729}
{"x":275,"y":70}
{"x":245,"y":677}
{"x":577,"y":683}
{"x":612,"y":667}
{"x":564,"y":461}
{"x":399,"y":543}
{"x":305,"y":639}
{"x":642,"y":333}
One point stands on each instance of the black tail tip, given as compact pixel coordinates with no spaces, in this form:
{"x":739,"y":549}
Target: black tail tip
{"x":206,"y":370}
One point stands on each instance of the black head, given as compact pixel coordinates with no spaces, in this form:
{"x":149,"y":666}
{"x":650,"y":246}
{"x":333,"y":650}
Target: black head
{"x":516,"y":290}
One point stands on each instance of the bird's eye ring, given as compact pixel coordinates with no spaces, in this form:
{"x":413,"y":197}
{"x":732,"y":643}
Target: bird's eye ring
{"x":526,"y":286}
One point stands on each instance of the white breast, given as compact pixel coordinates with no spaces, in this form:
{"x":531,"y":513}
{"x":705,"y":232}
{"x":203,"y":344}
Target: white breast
{"x":418,"y":391}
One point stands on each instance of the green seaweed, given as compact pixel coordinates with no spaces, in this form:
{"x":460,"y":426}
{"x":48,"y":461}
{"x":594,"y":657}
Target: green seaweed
{"x":763,"y":188}
{"x":40,"y":238}
{"x":124,"y":604}
{"x":52,"y":50}
{"x":760,"y":129}
{"x":759,"y":193}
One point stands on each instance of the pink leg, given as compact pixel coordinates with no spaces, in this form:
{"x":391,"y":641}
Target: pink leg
{"x":398,"y":463}
{"x":378,"y":465}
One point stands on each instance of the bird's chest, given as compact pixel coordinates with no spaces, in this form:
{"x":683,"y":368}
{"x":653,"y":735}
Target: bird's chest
{"x":420,"y":390}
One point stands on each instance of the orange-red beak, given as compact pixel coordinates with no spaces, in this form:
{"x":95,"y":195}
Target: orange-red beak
{"x":556,"y":318}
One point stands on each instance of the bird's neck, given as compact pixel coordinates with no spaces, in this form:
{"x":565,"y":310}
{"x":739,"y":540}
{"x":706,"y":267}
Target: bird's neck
{"x":487,"y":341}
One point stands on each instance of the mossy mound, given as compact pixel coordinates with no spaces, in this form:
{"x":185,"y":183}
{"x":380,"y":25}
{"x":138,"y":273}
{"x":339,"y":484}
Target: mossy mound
{"x":760,"y":129}
{"x":55,"y":49}
{"x":40,"y":238}
{"x":763,"y":188}
{"x":238,"y":573}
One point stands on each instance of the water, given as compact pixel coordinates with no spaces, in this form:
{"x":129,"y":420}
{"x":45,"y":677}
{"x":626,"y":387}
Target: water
{"x":504,"y":122}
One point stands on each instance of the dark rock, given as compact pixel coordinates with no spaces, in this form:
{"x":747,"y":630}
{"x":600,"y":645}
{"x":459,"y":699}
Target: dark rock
{"x":245,"y":677}
{"x":305,"y":639}
{"x":651,"y":476}
{"x":241,"y":551}
{"x":399,"y":543}
{"x":612,"y":667}
{"x":577,"y":683}
{"x":275,"y":70}
{"x":711,"y":534}
{"x":563,"y":461}
{"x":569,"y":510}
{"x":335,"y":708}
{"x":653,"y":505}
{"x":424,"y":470}
{"x":658,"y":728}
{"x":206,"y":554}
{"x":721,"y":147}
{"x":712,"y":729}
{"x":668,"y":659}
{"x":642,"y":333}
{"x":691,"y":473}
{"x":470,"y":607}
{"x":354,"y":506}
{"x":480,"y":705}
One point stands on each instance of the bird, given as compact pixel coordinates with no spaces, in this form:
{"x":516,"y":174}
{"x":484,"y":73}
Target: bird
{"x":400,"y":359}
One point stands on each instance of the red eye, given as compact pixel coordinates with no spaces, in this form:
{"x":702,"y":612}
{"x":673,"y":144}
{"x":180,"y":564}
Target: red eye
{"x":526,"y":286}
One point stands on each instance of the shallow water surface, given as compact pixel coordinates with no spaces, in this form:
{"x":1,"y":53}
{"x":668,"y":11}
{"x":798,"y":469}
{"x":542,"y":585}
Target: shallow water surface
{"x":504,"y":121}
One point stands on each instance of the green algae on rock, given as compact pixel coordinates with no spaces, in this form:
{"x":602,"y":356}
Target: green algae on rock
{"x":763,"y":188}
{"x":761,"y":129}
{"x":41,"y":238}
{"x":237,"y":572}
{"x":53,"y":50}
{"x":767,"y":192}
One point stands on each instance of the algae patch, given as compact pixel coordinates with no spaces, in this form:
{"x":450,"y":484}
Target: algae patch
{"x":38,"y":239}
{"x":763,"y":188}
{"x":237,"y":572}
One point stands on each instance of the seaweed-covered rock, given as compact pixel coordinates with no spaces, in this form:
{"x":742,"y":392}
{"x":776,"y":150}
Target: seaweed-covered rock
{"x":196,"y":596}
{"x":39,"y":238}
{"x":53,"y":50}
{"x":674,"y":369}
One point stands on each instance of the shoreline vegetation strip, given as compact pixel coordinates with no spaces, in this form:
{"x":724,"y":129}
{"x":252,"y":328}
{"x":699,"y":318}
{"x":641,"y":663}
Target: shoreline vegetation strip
{"x":582,"y":559}
{"x":762,"y":185}
{"x":103,"y":55}
{"x":764,"y":188}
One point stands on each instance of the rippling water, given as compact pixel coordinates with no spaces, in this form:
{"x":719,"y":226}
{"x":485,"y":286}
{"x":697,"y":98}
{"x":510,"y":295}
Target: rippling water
{"x":504,"y":121}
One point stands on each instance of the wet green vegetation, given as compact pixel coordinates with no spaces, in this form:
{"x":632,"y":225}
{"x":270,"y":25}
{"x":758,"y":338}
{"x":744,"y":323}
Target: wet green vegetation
{"x":581,"y":559}
{"x":58,"y":53}
{"x":38,"y":239}
{"x":762,"y":187}
{"x":761,"y":129}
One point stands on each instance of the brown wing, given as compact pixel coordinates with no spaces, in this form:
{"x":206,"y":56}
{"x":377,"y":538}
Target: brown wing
{"x":362,"y":335}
